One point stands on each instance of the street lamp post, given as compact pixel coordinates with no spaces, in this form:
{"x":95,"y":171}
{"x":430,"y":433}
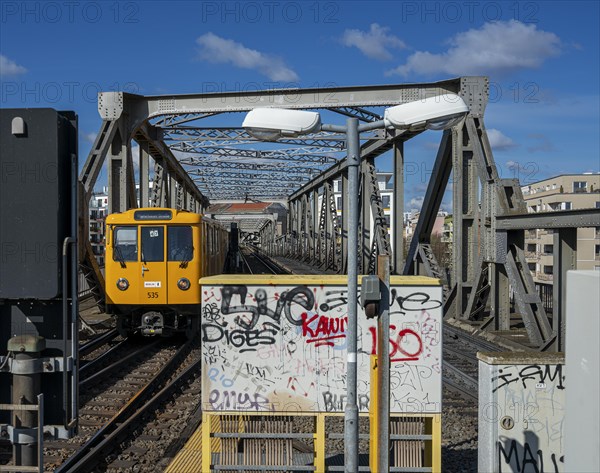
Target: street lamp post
{"x":351,"y":412}
{"x":269,"y":124}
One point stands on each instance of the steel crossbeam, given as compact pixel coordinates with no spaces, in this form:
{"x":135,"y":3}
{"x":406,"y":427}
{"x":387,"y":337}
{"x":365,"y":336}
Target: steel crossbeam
{"x":208,"y":174}
{"x":246,"y":165}
{"x":305,"y":154}
{"x":230,"y":136}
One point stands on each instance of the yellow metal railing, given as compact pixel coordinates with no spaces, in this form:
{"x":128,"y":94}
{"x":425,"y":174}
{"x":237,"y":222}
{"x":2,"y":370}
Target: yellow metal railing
{"x":260,"y":439}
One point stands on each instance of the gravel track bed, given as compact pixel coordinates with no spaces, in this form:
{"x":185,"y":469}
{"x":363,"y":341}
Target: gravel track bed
{"x":162,"y":433}
{"x":459,"y":434}
{"x":98,"y":403}
{"x":460,"y":414}
{"x":100,"y":350}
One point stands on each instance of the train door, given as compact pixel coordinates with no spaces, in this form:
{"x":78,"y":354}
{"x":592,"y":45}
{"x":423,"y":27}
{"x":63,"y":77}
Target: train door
{"x":182,"y":264}
{"x":122,"y":270}
{"x":153,"y":268}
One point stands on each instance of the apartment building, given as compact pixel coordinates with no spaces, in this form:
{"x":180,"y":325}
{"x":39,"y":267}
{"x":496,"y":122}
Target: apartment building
{"x":98,"y":209}
{"x":386,"y":191}
{"x":564,"y":192}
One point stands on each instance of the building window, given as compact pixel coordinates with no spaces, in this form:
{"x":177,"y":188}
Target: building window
{"x":548,"y":269}
{"x":531,"y":247}
{"x":385,"y":200}
{"x":548,"y":249}
{"x":598,"y":205}
{"x":579,"y":186}
{"x":597,"y":251}
{"x":531,"y":266}
{"x":566,"y":206}
{"x":339,"y":203}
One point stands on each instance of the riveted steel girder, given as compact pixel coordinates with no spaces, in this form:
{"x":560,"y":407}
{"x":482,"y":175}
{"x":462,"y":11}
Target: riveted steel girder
{"x":361,"y":113}
{"x":210,"y":174}
{"x":306,"y":154}
{"x":171,"y":120}
{"x":245,"y":165}
{"x":233,"y":136}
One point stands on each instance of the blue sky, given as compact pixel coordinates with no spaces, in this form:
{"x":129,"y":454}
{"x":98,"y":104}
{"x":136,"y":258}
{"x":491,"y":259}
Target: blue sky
{"x":541,"y":57}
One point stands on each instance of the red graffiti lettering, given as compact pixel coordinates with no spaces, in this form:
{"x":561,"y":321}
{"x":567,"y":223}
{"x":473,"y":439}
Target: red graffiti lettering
{"x":407,"y":343}
{"x":327,"y":329}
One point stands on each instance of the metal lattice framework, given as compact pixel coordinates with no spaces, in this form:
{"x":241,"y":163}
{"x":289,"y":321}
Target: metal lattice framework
{"x":195,"y":162}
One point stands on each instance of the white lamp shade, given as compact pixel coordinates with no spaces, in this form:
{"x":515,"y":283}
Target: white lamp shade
{"x":281,"y":121}
{"x":437,"y":112}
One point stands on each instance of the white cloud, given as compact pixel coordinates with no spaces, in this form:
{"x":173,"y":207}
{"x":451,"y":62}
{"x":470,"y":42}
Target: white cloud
{"x":496,"y":47}
{"x":9,"y":67}
{"x":215,"y":49}
{"x":90,"y":137}
{"x":415,"y":204}
{"x":499,"y":141}
{"x":373,"y":43}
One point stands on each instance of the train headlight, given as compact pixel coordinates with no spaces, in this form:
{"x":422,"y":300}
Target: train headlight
{"x":122,"y":284}
{"x":183,"y":284}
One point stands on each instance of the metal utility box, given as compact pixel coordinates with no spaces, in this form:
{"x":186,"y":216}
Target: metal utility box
{"x":582,"y":426}
{"x":37,"y":147}
{"x":521,"y":412}
{"x":38,"y":265}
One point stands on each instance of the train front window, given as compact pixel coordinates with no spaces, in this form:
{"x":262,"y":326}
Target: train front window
{"x":125,"y":244}
{"x":153,"y":244}
{"x":179,"y":241}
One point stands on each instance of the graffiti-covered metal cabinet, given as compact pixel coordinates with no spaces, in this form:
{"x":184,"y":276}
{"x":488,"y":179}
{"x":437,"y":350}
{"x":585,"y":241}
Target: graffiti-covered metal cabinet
{"x":521,"y":412}
{"x":278,"y":344}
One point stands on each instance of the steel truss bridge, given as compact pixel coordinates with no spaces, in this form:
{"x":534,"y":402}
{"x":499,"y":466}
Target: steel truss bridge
{"x":194,"y":162}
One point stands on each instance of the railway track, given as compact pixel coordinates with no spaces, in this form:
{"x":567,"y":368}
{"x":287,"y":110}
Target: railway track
{"x":461,"y":366}
{"x":121,"y":387}
{"x":253,"y":262}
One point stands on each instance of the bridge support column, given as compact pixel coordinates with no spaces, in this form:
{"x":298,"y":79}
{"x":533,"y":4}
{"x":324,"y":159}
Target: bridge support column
{"x":565,"y":259}
{"x":398,"y":209}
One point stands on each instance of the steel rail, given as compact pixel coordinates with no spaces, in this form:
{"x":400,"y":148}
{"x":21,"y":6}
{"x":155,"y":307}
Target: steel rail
{"x":109,"y":369}
{"x":245,"y":262}
{"x":460,"y":389}
{"x":98,"y":341}
{"x":84,"y":459}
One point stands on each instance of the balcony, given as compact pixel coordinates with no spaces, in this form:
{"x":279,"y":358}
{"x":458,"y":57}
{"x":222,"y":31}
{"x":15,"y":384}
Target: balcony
{"x":544,"y":277}
{"x":532,"y":255}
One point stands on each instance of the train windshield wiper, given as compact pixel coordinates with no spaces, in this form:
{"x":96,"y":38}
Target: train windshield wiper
{"x":187,"y":257}
{"x":119,"y":256}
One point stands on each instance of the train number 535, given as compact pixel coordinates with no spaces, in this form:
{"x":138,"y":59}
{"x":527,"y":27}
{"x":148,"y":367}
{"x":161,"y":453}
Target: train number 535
{"x":152,"y":295}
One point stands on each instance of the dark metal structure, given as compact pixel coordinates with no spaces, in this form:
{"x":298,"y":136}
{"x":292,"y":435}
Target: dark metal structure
{"x":38,"y":278}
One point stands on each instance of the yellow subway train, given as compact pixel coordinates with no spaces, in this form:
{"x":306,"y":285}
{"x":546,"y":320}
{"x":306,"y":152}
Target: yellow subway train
{"x":154,"y":259}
